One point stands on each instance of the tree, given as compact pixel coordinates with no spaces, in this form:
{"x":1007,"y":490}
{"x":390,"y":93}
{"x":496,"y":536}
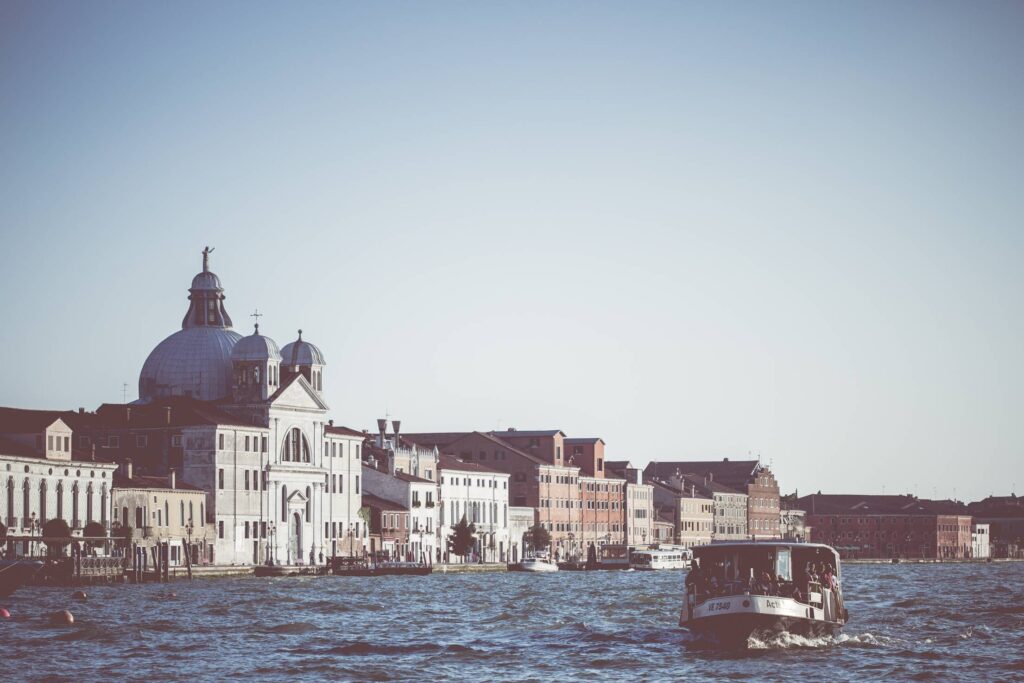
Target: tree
{"x":461,"y":541}
{"x":57,"y":534}
{"x":538,"y":537}
{"x":94,"y":530}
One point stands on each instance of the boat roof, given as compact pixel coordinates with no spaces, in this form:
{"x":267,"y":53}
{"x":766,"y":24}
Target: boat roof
{"x":762,"y":544}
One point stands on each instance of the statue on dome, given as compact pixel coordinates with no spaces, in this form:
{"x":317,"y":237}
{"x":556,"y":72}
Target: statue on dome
{"x":206,"y":258}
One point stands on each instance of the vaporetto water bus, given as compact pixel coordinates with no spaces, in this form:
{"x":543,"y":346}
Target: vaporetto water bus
{"x":662,"y":558}
{"x":739,"y":589}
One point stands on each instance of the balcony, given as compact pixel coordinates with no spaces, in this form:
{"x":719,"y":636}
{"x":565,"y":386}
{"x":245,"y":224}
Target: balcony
{"x":430,"y":503}
{"x":12,"y":522}
{"x":416,"y":504}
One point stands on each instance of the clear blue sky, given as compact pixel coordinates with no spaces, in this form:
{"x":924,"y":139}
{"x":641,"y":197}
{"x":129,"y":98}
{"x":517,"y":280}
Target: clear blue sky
{"x":695,"y":230}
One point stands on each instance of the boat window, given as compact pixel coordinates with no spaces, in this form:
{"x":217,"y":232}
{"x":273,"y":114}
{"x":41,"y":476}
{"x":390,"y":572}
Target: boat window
{"x":782,"y":564}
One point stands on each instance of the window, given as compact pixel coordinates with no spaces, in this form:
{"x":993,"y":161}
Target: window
{"x":247,"y":529}
{"x":220,"y":479}
{"x":67,"y":444}
{"x":357,"y":484}
{"x":220,"y":529}
{"x":255,"y":480}
{"x":49,"y":442}
{"x":263,"y":445}
{"x":341,"y":483}
{"x":247,"y":450}
{"x":220,"y":444}
{"x":176,"y":441}
{"x":113,"y":442}
{"x":247,"y":484}
{"x":141,"y":441}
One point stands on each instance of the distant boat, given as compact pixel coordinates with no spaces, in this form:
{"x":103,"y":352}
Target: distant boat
{"x":538,"y":564}
{"x":660,"y":559}
{"x":16,"y":573}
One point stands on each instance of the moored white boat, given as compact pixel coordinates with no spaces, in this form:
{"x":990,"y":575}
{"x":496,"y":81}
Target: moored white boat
{"x":538,"y":564}
{"x":663,"y":558}
{"x":740,"y":589}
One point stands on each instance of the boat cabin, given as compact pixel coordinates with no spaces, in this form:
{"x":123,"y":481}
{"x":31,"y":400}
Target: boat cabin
{"x":734,"y":567}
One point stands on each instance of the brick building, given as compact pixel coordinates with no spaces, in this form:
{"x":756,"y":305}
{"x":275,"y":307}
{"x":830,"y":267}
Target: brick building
{"x":888,"y":526}
{"x":748,"y":477}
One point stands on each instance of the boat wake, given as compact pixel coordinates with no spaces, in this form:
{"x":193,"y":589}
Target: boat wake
{"x":790,"y":641}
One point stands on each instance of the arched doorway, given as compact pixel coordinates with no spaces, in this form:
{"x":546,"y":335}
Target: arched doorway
{"x":296,"y":538}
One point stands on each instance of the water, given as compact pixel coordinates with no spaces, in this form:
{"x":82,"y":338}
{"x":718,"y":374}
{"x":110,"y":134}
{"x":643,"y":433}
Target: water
{"x":909,"y":622}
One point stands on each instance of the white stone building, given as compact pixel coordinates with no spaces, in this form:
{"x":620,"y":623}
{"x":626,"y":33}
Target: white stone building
{"x":161,"y":509}
{"x":247,"y":423}
{"x":639,"y":503}
{"x":42,"y":479}
{"x":520,"y":520}
{"x":981,"y":541}
{"x":480,"y":495}
{"x":416,"y":494}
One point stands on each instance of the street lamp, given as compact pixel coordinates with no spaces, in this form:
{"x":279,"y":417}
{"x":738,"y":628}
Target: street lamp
{"x":272,"y":555}
{"x":189,"y":528}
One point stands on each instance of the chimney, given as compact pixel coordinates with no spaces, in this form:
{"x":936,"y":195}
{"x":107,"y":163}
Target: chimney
{"x":396,"y":425}
{"x":382,"y":429}
{"x":81,"y":411}
{"x":168,"y":415}
{"x":330,"y":423}
{"x":174,"y":478}
{"x":128,"y":468}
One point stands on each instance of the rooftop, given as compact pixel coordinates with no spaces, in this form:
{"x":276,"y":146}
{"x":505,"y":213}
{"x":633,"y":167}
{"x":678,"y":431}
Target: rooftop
{"x":370,"y":500}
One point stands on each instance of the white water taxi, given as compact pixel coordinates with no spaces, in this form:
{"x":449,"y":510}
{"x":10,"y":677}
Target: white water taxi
{"x":660,"y":559}
{"x":742,"y":588}
{"x":538,"y":563}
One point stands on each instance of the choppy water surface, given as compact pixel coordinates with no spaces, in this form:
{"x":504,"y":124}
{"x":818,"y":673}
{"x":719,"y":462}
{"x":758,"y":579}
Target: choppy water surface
{"x":909,"y":622}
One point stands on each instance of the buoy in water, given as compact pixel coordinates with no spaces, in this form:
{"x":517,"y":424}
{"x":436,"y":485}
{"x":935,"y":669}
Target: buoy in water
{"x":80,"y":595}
{"x":4,"y":614}
{"x":62,"y":618}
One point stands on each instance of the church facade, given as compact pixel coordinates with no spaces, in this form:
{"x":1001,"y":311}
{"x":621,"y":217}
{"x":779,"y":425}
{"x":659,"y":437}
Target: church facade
{"x":247,"y":422}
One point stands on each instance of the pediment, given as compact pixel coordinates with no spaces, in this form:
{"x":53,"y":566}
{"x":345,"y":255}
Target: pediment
{"x":297,"y":498}
{"x":298,"y":395}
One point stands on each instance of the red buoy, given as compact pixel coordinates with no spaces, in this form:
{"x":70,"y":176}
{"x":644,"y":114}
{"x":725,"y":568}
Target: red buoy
{"x":4,"y":614}
{"x":62,"y":618}
{"x":80,"y":595}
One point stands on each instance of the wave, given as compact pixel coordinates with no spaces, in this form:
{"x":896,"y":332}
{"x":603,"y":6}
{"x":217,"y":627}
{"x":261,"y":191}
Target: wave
{"x":786,"y":641}
{"x":294,"y":628}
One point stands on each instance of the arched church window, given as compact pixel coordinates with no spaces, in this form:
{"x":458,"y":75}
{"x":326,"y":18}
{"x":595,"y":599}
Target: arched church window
{"x":296,"y":447}
{"x":60,"y":500}
{"x":182,"y":513}
{"x":167,"y":513}
{"x":309,"y":504}
{"x":284,"y":503}
{"x":190,"y":518}
{"x":256,"y":375}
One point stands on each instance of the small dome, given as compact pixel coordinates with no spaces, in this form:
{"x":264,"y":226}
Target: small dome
{"x":301,"y":352}
{"x":255,"y":347}
{"x":206,"y":280}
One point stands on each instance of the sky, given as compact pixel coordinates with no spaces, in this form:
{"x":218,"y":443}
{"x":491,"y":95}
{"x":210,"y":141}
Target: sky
{"x":786,"y":230}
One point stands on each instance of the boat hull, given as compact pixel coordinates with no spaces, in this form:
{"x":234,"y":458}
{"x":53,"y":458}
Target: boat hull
{"x":538,"y":567}
{"x":16,"y":573}
{"x":735,"y":630}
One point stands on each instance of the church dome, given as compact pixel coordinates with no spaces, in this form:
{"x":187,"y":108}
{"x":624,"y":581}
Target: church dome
{"x":196,"y":360}
{"x":255,"y":347}
{"x":300,"y":352}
